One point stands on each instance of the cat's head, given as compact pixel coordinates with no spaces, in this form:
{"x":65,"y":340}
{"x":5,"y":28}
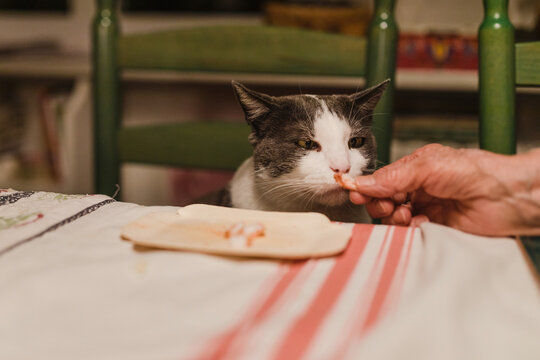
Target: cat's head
{"x":301,"y":141}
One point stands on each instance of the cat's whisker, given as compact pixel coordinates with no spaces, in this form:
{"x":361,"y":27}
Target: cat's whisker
{"x":367,"y":115}
{"x":352,"y":107}
{"x":289,"y":188}
{"x":298,"y":194}
{"x":311,"y":199}
{"x":278,"y":192}
{"x":290,"y":185}
{"x":306,"y":111}
{"x":255,"y":172}
{"x":293,"y":189}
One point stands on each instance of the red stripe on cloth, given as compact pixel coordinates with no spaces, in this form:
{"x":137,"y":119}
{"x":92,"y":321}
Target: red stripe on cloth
{"x":359,"y":325}
{"x":379,"y":257}
{"x":401,"y":277}
{"x":221,"y":346}
{"x":290,"y":274}
{"x":366,"y":292}
{"x":388,"y":273}
{"x":299,"y":336}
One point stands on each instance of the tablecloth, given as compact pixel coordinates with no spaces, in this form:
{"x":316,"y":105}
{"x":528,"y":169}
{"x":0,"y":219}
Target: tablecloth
{"x":71,"y":288}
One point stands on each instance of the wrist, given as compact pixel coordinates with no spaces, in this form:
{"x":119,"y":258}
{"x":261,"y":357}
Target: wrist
{"x":524,"y":185}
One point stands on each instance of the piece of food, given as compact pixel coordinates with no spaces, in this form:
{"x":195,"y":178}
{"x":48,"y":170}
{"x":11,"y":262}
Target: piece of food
{"x":345,"y":181}
{"x":241,"y":235}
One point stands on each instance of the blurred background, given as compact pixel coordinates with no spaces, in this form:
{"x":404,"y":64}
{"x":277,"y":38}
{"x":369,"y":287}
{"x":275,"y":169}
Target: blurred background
{"x":45,"y":89}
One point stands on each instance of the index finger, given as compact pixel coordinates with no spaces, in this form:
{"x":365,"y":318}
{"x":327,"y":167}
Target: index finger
{"x":358,"y":198}
{"x":403,"y":176}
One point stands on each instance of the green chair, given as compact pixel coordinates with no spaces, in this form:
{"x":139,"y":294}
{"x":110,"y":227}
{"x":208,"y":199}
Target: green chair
{"x":503,"y":64}
{"x":224,"y":49}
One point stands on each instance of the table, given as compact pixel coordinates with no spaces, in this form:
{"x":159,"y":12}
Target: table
{"x":73,"y":289}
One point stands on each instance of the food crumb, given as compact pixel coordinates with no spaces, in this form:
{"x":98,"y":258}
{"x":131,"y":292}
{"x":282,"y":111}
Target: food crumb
{"x":241,"y":235}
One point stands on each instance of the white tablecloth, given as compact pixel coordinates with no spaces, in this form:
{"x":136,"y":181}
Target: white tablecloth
{"x":70,"y":288}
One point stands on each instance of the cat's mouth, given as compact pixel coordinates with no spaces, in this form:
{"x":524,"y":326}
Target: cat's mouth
{"x":332,"y":195}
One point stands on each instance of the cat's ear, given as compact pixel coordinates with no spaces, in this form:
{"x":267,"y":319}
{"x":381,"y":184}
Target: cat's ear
{"x":367,"y":99}
{"x":255,"y":104}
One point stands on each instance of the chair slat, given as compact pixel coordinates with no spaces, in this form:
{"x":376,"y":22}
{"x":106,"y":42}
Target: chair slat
{"x":254,"y":49}
{"x":497,"y":79}
{"x":106,"y":96}
{"x":381,"y":65}
{"x":202,"y":145}
{"x":528,"y":63}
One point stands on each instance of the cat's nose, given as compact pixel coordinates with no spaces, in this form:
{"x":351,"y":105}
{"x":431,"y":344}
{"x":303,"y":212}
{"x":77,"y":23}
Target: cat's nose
{"x":340,"y":169}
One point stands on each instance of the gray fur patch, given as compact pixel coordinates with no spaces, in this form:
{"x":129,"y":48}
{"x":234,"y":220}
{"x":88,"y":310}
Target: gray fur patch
{"x":277,"y":150}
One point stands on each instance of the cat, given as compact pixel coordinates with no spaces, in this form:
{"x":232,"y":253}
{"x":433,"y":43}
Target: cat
{"x":299,"y":143}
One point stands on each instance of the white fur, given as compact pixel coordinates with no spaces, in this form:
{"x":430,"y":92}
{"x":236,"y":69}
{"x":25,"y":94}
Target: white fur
{"x":311,"y":185}
{"x":333,"y":134}
{"x":242,"y":188}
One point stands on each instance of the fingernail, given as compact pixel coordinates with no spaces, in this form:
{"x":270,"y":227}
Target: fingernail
{"x":365,"y":180}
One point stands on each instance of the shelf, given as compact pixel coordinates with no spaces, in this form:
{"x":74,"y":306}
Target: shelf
{"x":77,"y":66}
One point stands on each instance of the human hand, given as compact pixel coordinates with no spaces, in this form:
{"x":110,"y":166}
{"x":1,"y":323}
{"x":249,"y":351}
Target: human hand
{"x":472,"y":190}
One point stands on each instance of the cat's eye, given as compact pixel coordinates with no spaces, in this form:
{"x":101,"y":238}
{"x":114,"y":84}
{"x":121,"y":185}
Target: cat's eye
{"x":356,"y":142}
{"x":308,"y":144}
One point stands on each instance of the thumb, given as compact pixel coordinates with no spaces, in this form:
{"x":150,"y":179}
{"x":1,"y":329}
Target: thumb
{"x":403,"y":176}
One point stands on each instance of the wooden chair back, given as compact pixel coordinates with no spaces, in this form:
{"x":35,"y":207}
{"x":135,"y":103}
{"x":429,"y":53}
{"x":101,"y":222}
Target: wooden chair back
{"x":503,"y":65}
{"x":226,"y":50}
